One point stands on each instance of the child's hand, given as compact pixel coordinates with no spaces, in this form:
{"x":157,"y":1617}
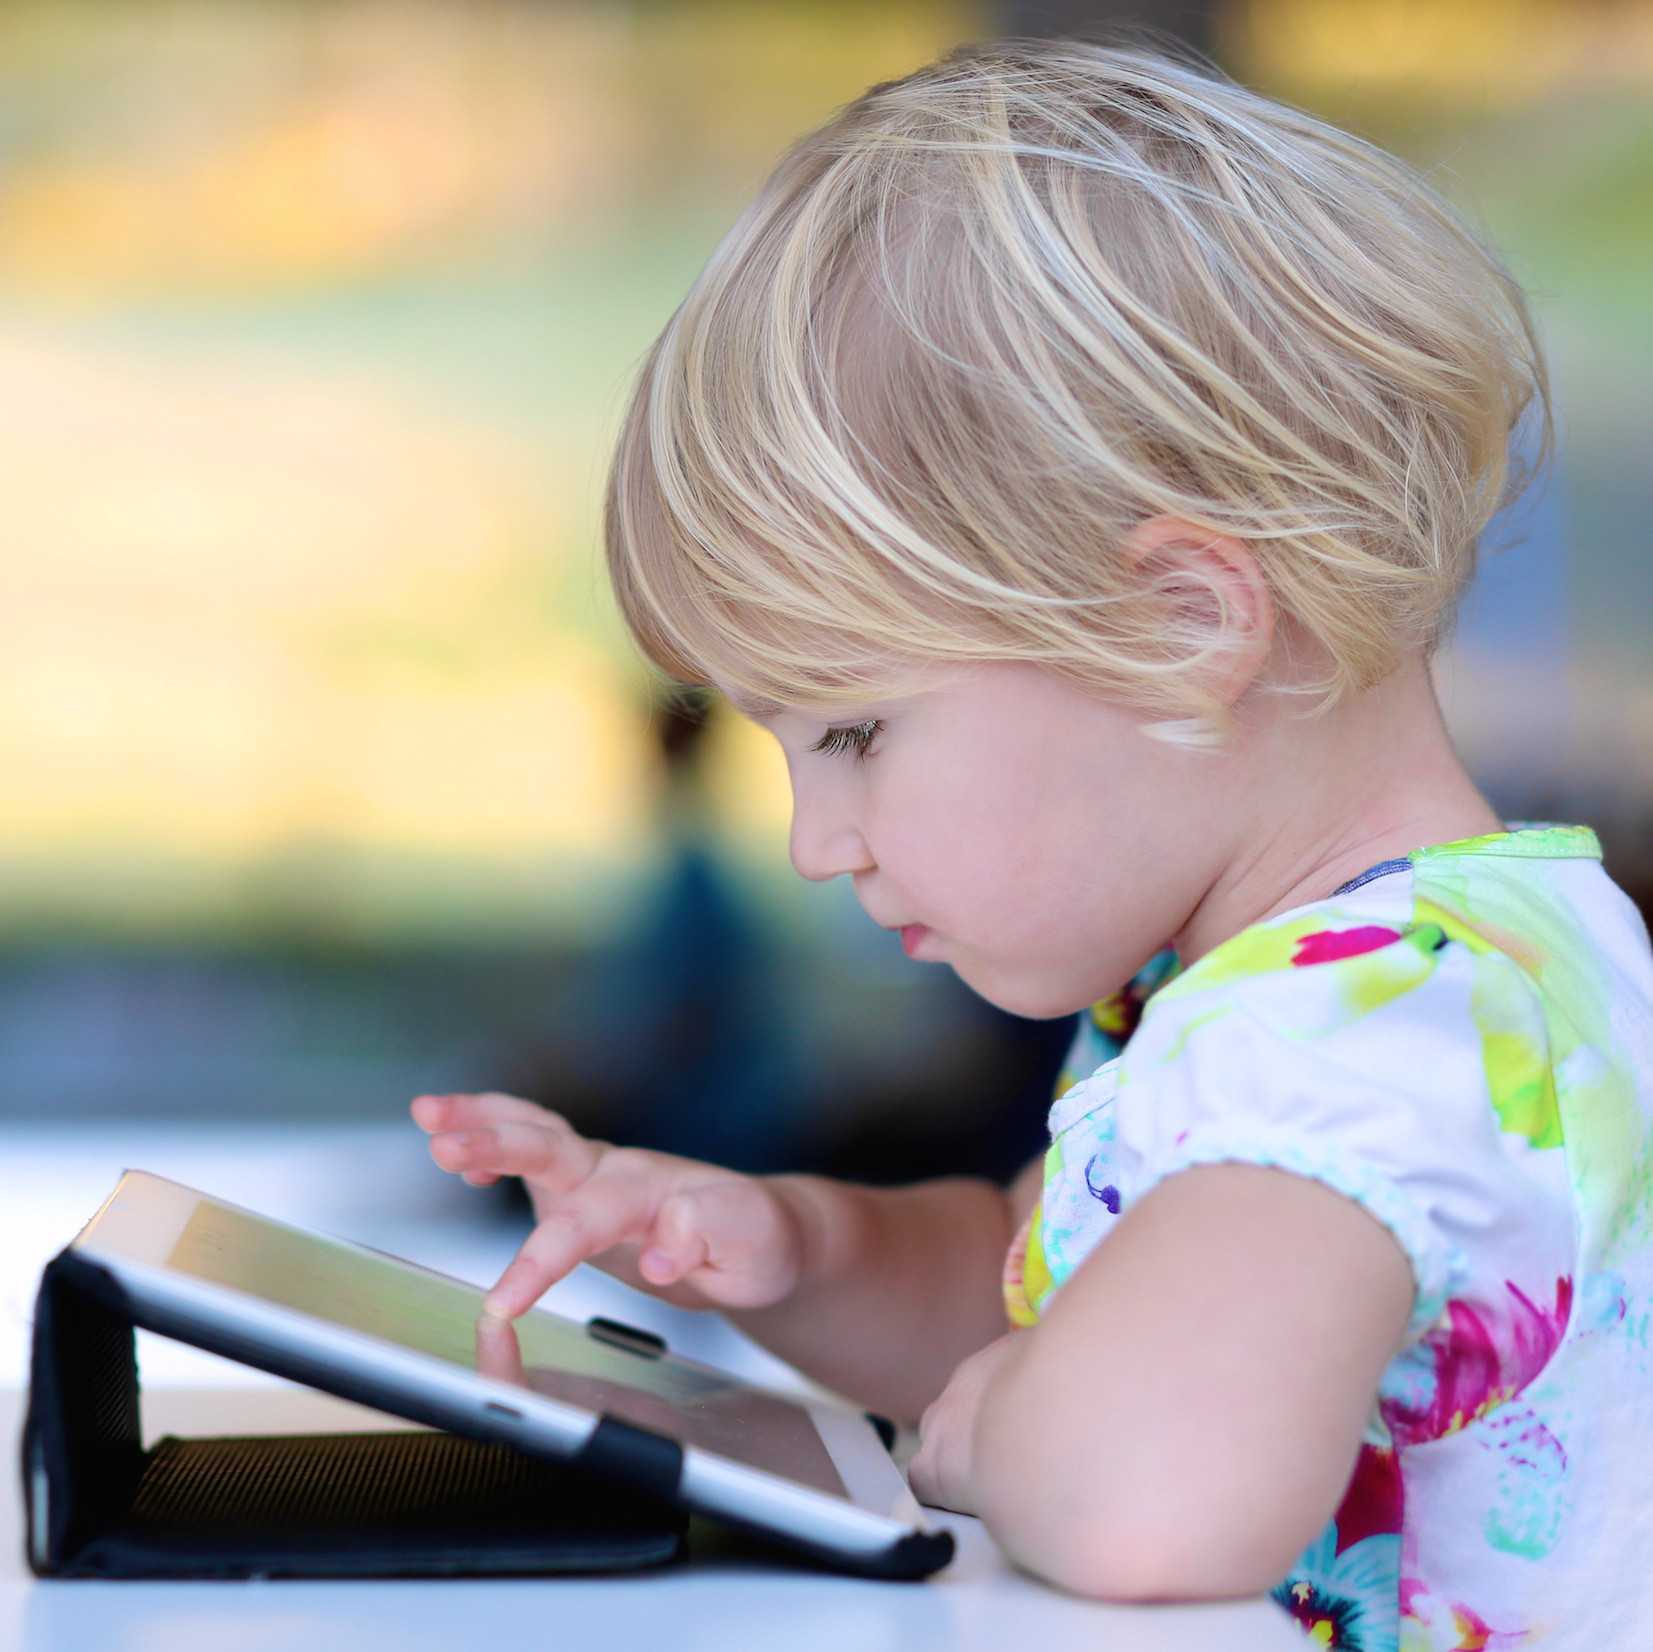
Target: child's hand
{"x":942,"y":1473}
{"x":689,"y":1232}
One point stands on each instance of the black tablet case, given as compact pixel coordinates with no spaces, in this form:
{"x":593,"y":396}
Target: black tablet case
{"x":354,"y":1505}
{"x":395,"y":1504}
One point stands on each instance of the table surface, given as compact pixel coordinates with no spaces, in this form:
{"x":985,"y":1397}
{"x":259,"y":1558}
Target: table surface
{"x":723,"y":1603}
{"x":377,"y":1186}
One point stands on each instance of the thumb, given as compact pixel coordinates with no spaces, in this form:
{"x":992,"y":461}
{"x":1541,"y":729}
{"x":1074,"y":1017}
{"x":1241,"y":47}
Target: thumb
{"x":729,"y":1239}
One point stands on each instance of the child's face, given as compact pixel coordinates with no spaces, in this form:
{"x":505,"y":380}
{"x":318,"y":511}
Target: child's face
{"x":1011,"y":825}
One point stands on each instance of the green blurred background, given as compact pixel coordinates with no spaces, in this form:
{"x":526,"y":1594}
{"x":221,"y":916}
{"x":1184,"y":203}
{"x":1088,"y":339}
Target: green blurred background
{"x":325,"y":773}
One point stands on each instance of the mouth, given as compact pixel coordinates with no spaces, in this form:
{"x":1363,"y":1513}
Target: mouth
{"x":913,"y":936}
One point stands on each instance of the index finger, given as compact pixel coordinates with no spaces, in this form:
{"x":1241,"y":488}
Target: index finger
{"x":602,"y":1215}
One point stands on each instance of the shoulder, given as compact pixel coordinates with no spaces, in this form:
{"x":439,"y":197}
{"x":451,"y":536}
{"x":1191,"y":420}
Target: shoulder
{"x":1311,"y":972}
{"x":1362,"y":1015}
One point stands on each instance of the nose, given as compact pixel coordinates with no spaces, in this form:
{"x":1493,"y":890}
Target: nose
{"x":825,"y":841}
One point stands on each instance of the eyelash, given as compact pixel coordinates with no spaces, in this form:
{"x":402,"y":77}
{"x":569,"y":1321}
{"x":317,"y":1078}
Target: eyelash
{"x":854,"y":739}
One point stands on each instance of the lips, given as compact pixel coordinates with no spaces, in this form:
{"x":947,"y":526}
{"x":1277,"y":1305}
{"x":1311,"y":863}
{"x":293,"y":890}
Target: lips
{"x":913,"y":936}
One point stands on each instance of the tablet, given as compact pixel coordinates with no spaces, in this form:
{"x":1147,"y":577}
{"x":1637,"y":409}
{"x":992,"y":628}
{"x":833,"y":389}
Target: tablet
{"x":390,"y":1334}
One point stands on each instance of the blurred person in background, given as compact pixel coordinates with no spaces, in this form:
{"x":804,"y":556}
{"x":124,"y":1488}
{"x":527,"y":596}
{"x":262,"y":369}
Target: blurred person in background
{"x":682,"y":1022}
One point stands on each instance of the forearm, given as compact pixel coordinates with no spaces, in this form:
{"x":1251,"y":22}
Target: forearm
{"x":897,"y":1286}
{"x":1107,"y":1494}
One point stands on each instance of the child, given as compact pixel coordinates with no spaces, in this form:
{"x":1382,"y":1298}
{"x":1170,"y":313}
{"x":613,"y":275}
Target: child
{"x":1072,"y":461}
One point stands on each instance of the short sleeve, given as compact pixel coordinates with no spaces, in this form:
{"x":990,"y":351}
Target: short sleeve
{"x":1363,"y":1070}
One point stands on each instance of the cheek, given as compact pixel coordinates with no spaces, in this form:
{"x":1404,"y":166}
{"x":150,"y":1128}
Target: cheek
{"x":986,"y":863}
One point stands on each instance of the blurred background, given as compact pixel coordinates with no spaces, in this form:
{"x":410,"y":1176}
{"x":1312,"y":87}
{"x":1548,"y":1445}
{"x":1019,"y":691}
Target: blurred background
{"x":326,"y":776}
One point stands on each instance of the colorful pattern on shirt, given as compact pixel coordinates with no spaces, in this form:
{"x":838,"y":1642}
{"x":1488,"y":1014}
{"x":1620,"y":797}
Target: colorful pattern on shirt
{"x":1464,"y":1045}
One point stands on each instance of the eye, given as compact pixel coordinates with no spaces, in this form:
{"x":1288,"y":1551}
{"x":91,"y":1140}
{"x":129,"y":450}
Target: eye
{"x":854,"y":739}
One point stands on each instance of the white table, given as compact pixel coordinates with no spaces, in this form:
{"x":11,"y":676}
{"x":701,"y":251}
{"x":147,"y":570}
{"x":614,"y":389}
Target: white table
{"x":381,"y":1191}
{"x":707,"y":1605}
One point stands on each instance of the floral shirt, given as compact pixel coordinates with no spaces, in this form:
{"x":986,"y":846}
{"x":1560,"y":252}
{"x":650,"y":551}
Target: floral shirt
{"x":1462,"y":1042}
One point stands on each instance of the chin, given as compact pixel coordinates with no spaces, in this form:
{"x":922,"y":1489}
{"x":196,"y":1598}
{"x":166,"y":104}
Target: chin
{"x":1033,"y":1000}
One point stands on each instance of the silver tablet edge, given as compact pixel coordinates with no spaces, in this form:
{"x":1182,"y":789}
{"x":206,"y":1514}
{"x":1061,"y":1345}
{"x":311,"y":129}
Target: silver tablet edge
{"x":713,"y":1484}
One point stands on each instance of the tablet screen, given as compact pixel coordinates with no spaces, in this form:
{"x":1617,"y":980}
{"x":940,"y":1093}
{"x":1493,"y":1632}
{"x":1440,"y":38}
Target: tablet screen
{"x":556,"y":1357}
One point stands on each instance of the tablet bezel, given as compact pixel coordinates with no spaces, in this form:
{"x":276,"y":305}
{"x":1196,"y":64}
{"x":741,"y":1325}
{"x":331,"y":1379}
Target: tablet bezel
{"x":138,"y":1226}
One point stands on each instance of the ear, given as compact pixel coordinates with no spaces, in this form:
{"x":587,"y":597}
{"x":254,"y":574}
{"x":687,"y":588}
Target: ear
{"x":1217,"y":604}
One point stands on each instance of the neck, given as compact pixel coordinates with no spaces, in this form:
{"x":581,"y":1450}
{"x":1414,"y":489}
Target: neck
{"x":1328,"y":796}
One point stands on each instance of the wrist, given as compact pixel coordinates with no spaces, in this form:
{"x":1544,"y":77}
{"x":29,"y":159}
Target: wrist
{"x":998,"y":1448}
{"x":812,"y":1226}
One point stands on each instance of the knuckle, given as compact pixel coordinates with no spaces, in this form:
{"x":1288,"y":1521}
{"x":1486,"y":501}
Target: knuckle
{"x":572,"y":1226}
{"x":555,"y":1133}
{"x":565,"y":1220}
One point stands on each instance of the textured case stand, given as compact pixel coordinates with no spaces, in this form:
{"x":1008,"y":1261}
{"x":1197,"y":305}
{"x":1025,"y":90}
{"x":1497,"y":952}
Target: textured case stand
{"x":343,"y":1505}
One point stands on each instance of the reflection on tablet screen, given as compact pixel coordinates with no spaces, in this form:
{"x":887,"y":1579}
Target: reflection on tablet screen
{"x":424,"y":1311}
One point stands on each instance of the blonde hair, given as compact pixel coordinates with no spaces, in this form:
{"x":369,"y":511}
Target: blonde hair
{"x":994,"y":315}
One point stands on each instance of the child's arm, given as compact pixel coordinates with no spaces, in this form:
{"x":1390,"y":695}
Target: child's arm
{"x":1184,"y":1419}
{"x":878,"y":1293}
{"x":905,"y":1284}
